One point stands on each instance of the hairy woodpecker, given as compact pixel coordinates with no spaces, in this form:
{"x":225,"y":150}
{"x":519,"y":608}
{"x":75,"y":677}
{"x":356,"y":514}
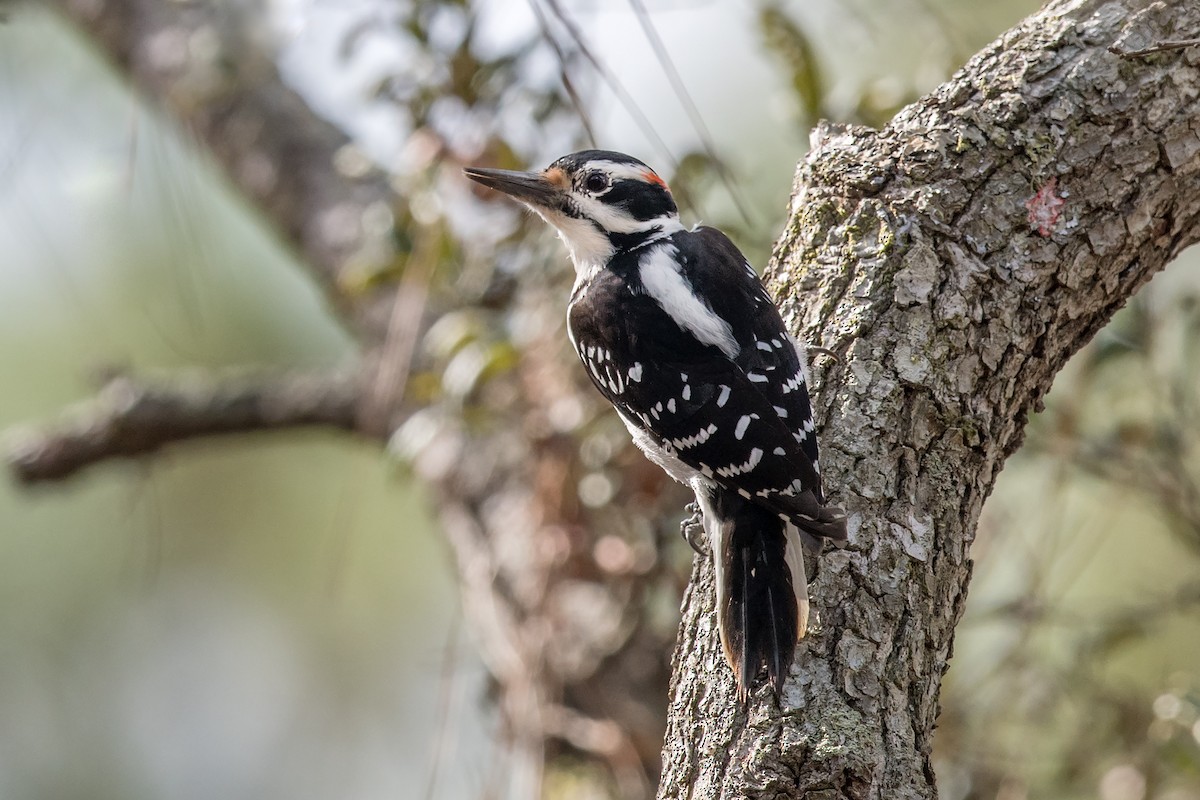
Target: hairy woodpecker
{"x":676,"y":330}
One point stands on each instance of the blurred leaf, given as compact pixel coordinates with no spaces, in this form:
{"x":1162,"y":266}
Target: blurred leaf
{"x":693,"y":177}
{"x":791,"y":44}
{"x":453,"y":331}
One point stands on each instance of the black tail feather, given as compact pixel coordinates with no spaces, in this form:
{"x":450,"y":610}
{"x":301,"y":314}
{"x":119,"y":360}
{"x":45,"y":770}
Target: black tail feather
{"x":759,"y":620}
{"x":829,"y":523}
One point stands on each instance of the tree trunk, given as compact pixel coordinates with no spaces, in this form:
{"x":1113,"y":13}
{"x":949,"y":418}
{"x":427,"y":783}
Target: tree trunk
{"x":953,"y":262}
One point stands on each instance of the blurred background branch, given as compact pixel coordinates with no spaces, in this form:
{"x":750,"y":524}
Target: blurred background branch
{"x":132,"y":420}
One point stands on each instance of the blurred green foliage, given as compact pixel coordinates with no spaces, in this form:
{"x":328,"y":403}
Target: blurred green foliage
{"x":186,"y":625}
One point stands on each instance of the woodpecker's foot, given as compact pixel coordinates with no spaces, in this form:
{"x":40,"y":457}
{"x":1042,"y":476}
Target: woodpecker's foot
{"x":825,"y":352}
{"x":692,"y":530}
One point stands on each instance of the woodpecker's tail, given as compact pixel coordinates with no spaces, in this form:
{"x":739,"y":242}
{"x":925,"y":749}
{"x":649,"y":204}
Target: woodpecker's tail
{"x":762,"y":594}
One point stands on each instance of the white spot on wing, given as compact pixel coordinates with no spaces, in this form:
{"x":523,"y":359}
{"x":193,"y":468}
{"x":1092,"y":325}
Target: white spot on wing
{"x":699,"y":437}
{"x":740,"y":430}
{"x":635,"y":372}
{"x":738,"y":469}
{"x":724,"y":397}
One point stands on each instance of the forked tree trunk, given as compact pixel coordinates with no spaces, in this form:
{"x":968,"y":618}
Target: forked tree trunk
{"x":953,"y":262}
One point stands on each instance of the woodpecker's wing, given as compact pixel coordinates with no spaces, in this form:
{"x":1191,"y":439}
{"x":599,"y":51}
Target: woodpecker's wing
{"x":681,"y":337}
{"x":766,"y":346}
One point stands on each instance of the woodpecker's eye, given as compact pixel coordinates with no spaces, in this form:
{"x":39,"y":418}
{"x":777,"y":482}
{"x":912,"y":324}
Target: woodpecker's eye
{"x":596,"y":182}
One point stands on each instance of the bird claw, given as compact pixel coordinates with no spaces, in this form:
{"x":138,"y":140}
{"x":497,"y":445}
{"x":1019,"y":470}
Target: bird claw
{"x":692,"y":530}
{"x":824,"y":351}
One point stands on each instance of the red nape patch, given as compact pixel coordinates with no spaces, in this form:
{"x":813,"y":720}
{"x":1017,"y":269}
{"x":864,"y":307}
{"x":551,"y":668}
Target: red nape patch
{"x":652,"y":177}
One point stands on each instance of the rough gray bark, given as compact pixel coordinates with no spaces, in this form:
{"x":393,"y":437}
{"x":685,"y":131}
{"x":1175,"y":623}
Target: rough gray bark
{"x":953,"y":261}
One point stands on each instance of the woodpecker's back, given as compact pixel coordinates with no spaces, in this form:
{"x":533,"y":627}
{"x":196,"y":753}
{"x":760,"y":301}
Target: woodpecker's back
{"x":675,"y":329}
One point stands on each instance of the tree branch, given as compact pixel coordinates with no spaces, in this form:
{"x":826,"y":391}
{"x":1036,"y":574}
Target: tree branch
{"x":128,"y":419}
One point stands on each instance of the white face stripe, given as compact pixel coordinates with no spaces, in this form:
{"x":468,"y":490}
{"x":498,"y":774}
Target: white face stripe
{"x":590,"y":247}
{"x":616,"y":220}
{"x":619,"y":170}
{"x":666,"y":286}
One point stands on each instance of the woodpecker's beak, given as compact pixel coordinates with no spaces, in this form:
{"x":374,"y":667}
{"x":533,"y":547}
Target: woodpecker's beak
{"x":528,"y":187}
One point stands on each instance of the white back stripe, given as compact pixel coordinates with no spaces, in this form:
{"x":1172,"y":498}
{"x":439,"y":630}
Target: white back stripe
{"x":666,"y":285}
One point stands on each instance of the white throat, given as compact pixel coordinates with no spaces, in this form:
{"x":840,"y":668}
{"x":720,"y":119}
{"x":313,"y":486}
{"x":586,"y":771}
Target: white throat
{"x":590,"y":249}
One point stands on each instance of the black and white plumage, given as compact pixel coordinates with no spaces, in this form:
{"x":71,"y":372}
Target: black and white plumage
{"x":675,"y":329}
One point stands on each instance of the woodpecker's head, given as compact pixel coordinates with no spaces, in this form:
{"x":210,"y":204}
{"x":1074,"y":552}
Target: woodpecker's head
{"x":601,"y":202}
